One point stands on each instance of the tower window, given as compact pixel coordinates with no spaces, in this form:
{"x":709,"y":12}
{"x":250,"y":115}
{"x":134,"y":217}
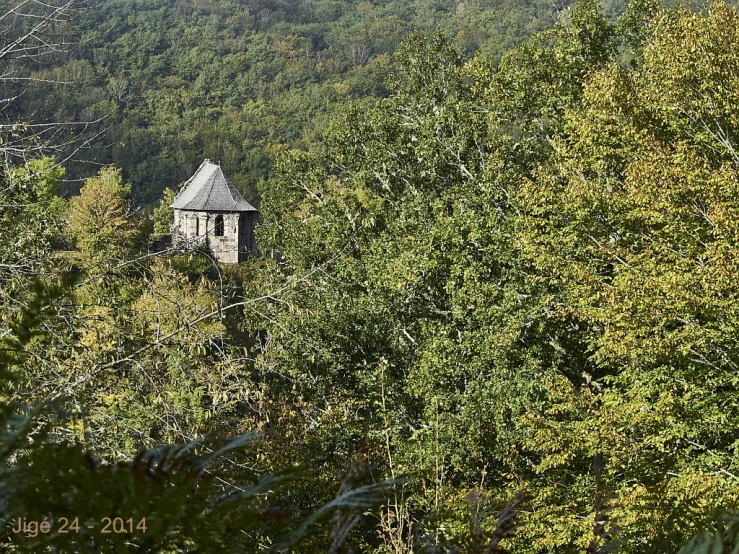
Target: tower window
{"x":219,"y":226}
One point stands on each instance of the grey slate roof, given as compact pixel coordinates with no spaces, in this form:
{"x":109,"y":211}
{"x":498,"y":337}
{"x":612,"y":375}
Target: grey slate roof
{"x":209,"y":190}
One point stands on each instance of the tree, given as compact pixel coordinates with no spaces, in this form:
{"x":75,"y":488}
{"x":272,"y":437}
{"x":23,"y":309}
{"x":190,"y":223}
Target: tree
{"x":32,"y":31}
{"x":521,"y":277}
{"x":162,"y":215}
{"x":170,"y":497}
{"x":47,"y":349}
{"x":629,"y":228}
{"x":98,"y":219}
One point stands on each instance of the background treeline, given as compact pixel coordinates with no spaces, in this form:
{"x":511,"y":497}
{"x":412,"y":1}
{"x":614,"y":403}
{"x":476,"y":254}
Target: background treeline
{"x":503,"y":280}
{"x":235,"y":81}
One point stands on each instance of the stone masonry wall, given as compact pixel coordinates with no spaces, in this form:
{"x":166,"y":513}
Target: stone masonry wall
{"x":192,"y":229}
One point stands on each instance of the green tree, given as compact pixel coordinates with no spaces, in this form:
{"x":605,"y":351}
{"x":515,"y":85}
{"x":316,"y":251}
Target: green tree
{"x":520,"y":277}
{"x":162,"y":215}
{"x":98,"y":219}
{"x":173,"y":498}
{"x":630,"y":227}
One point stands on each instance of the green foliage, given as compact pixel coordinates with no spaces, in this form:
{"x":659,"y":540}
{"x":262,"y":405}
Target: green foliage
{"x":724,"y":538}
{"x":407,"y":310}
{"x":170,"y":498}
{"x":162,"y":215}
{"x":522,"y":276}
{"x":633,"y":25}
{"x":630,"y":223}
{"x":31,"y":212}
{"x":499,"y":277}
{"x":98,"y":216}
{"x":233,"y":80}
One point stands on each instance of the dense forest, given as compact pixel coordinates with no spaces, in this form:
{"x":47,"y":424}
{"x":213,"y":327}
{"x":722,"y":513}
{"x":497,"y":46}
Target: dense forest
{"x":496,"y":308}
{"x":236,"y":81}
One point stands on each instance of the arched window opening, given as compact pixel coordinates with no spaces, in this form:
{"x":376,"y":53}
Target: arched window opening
{"x":197,"y":226}
{"x":219,"y":226}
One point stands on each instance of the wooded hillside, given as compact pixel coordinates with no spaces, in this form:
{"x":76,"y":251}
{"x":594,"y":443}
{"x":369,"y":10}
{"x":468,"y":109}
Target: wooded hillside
{"x":503,"y":318}
{"x":235,"y":81}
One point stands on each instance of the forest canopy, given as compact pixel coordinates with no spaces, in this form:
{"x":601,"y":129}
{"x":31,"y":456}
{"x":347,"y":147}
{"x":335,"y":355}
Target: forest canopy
{"x":170,"y":82}
{"x":496,"y":312}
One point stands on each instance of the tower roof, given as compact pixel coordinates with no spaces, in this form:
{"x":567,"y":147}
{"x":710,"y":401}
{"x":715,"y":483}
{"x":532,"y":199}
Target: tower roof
{"x":210,"y":190}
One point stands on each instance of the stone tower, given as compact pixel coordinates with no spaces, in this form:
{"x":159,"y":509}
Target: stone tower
{"x":209,"y":210}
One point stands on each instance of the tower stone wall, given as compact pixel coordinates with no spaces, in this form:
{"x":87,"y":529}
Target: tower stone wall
{"x":193,"y":229}
{"x":210,"y":212}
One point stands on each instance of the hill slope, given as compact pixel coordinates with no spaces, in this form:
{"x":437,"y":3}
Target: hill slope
{"x":234,"y":80}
